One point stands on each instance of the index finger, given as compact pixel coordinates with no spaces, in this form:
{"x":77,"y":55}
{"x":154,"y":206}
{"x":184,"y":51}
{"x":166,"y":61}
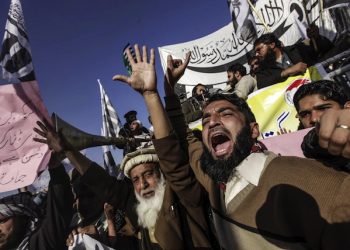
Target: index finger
{"x":169,"y":61}
{"x":187,"y":58}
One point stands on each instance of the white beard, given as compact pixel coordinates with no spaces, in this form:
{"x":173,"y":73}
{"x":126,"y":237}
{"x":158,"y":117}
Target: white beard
{"x":148,"y":208}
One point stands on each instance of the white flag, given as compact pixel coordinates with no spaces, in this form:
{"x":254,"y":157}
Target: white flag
{"x":15,"y":57}
{"x":109,"y":114}
{"x":242,"y":19}
{"x":108,"y":160}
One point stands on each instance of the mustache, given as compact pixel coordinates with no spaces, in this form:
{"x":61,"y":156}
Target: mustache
{"x":147,"y":191}
{"x":218,"y":129}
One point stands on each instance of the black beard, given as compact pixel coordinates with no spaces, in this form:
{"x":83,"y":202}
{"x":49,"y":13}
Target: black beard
{"x":220,"y":170}
{"x":269,"y":60}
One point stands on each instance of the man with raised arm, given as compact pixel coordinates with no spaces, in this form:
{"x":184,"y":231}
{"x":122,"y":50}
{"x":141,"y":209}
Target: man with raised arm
{"x":264,"y":201}
{"x":188,"y":217}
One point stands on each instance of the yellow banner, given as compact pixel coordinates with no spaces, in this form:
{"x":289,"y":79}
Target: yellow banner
{"x":273,"y":106}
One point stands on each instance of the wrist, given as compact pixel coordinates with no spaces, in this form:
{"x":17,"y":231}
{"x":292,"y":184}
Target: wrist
{"x":150,"y":93}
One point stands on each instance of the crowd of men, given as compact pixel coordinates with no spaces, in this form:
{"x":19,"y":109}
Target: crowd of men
{"x":217,"y":189}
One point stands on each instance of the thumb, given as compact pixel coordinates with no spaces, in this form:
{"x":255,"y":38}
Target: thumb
{"x":120,"y":78}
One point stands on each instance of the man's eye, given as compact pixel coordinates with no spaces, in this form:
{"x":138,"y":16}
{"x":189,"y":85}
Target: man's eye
{"x":323,"y":107}
{"x":226,"y":113}
{"x":2,"y":221}
{"x":147,"y":174}
{"x":303,"y":114}
{"x":205,"y":121}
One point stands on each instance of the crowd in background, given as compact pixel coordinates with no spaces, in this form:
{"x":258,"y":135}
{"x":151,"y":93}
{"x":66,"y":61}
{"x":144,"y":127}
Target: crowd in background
{"x":219,"y":188}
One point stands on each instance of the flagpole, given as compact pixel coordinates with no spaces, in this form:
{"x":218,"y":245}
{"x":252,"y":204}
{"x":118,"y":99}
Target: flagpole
{"x":320,"y":2}
{"x":258,"y":15}
{"x":308,"y":24}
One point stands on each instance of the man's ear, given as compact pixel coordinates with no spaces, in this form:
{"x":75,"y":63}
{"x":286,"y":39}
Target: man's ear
{"x":254,"y":128}
{"x":272,"y":45}
{"x":347,"y":105}
{"x":237,"y":74}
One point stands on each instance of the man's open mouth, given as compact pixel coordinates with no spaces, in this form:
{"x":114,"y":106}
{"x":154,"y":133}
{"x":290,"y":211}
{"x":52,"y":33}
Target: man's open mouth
{"x":221,"y":144}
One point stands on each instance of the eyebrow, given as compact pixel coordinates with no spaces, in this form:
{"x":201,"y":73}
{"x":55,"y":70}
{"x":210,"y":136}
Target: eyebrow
{"x":316,"y":107}
{"x":222,"y":109}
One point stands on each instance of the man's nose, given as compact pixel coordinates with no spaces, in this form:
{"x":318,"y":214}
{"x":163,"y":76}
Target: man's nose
{"x":144,"y":183}
{"x":314,"y":118}
{"x":215,"y":120}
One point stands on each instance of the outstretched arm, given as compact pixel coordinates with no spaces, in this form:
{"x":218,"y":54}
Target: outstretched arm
{"x":173,"y":159}
{"x":144,"y":81}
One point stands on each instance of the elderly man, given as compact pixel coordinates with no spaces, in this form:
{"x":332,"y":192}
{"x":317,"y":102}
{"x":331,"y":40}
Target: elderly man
{"x":182,"y":192}
{"x":165,"y":222}
{"x":276,"y":63}
{"x":169,"y":216}
{"x":259,"y":200}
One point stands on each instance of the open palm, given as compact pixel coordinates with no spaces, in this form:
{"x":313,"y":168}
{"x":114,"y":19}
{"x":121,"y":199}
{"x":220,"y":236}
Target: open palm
{"x":143,"y":78}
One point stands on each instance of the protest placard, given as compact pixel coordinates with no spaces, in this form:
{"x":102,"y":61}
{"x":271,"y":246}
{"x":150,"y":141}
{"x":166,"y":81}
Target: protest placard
{"x":21,"y":158}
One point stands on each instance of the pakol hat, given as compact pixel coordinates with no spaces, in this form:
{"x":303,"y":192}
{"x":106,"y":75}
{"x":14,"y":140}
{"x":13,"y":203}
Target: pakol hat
{"x":143,"y":155}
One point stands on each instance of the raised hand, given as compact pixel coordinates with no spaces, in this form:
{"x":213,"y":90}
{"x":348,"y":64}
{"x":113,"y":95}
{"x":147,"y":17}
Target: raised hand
{"x":143,"y":78}
{"x":51,"y":137}
{"x":175,"y":69}
{"x":55,"y":142}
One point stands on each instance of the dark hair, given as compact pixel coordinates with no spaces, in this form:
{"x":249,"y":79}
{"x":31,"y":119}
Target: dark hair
{"x":268,"y":38}
{"x":237,"y":67}
{"x":252,"y":59}
{"x":195,"y":88}
{"x":240,"y":103}
{"x":327,"y":89}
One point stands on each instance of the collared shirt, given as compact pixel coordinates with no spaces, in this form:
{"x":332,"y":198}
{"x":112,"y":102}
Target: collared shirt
{"x":284,"y":61}
{"x":248,"y":171}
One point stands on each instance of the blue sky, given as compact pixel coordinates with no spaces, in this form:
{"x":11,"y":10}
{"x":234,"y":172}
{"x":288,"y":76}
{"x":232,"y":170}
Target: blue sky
{"x":74,"y":43}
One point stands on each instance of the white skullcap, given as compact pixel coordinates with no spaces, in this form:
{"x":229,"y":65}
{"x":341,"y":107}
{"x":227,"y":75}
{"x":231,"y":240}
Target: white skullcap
{"x":131,"y":160}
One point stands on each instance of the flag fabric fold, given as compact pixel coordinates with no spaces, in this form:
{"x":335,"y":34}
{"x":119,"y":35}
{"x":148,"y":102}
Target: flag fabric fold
{"x":111,"y":125}
{"x":110,"y":115}
{"x":242,"y":19}
{"x":335,"y":3}
{"x":108,"y":160}
{"x":15,"y":57}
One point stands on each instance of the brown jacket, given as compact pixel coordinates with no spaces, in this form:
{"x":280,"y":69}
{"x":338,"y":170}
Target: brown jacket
{"x":298,"y":204}
{"x":169,"y":229}
{"x":182,"y":183}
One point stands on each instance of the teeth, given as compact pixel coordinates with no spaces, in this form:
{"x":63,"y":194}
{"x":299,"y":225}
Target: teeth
{"x":221,"y":151}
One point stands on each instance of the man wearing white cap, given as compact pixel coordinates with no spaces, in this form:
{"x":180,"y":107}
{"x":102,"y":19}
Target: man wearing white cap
{"x":179,"y":200}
